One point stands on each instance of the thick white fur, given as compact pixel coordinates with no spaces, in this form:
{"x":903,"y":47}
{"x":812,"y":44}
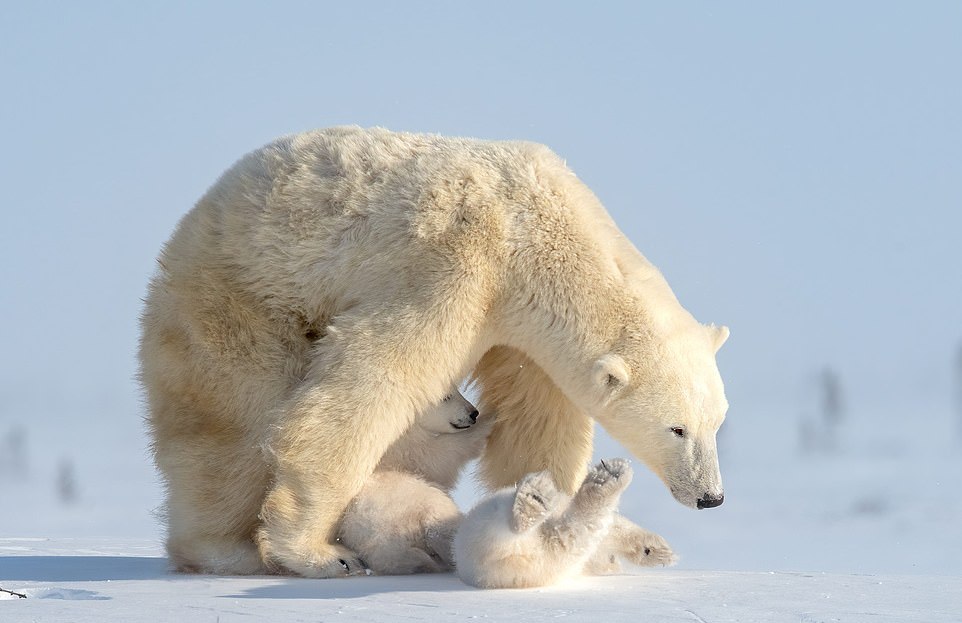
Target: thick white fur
{"x":534,"y":535}
{"x":403,"y":520}
{"x":440,"y":443}
{"x":333,"y":284}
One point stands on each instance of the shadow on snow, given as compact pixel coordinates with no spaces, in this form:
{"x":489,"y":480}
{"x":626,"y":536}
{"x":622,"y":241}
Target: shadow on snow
{"x":81,"y":568}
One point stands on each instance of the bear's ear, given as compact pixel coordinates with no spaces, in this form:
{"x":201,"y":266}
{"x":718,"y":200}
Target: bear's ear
{"x":719,"y":335}
{"x":609,"y":375}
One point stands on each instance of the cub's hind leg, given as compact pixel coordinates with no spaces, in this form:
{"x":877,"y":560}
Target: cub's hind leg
{"x":628,"y":541}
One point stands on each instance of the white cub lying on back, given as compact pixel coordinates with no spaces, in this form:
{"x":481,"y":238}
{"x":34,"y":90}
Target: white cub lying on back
{"x":403,"y":520}
{"x":534,"y":535}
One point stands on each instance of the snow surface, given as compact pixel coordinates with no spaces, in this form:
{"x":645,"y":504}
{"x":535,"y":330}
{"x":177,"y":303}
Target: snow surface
{"x":126,"y":580}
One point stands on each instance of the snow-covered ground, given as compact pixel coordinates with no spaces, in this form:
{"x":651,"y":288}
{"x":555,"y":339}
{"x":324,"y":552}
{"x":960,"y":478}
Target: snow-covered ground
{"x":866,"y":532}
{"x":123,"y":580}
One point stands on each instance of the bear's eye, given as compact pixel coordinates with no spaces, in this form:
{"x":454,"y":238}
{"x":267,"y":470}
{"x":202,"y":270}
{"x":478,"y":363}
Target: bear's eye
{"x":447,"y":398}
{"x":679,"y":431}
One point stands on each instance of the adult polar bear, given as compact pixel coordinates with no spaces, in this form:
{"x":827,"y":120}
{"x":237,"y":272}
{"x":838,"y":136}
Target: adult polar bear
{"x":335,"y":283}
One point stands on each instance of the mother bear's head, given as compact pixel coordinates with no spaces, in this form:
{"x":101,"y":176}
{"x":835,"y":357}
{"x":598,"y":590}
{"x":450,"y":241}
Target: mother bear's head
{"x":663,"y":398}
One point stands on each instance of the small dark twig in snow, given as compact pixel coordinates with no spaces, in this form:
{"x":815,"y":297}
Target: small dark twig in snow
{"x":20,"y":595}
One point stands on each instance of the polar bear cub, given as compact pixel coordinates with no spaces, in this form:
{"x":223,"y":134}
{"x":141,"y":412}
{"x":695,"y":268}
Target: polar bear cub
{"x":534,"y":535}
{"x":403,"y":520}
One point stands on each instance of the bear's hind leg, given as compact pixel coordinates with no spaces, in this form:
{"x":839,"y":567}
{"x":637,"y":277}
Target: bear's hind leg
{"x":220,"y":557}
{"x":212,"y":514}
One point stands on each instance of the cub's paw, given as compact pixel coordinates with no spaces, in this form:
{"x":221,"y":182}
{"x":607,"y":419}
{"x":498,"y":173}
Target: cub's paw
{"x":647,"y":549}
{"x":609,"y":477}
{"x":537,"y":497}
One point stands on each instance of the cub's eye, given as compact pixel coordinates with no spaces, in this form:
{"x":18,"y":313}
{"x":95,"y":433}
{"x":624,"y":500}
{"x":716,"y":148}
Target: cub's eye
{"x":447,"y":398}
{"x":679,"y":431}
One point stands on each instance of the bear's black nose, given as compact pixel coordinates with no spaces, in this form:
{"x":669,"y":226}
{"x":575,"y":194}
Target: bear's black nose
{"x":711,"y":501}
{"x":473,"y":415}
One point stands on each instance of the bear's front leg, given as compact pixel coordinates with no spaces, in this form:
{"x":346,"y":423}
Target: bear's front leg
{"x":290,"y":543}
{"x":327,"y":445}
{"x":537,"y":427}
{"x":373,"y":372}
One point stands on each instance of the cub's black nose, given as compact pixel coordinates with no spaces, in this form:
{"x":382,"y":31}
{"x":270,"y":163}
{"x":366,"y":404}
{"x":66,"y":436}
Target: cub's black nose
{"x":711,"y":501}
{"x":473,"y":415}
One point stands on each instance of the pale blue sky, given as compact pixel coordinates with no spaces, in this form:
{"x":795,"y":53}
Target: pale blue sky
{"x":795,"y":170}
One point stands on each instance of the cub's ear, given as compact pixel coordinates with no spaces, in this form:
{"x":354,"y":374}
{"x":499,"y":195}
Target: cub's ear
{"x":719,"y":335}
{"x":609,"y":375}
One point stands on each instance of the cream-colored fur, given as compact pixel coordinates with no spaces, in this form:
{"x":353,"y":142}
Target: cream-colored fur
{"x":335,"y":283}
{"x":400,"y":524}
{"x":534,"y":534}
{"x":403,"y":519}
{"x":443,"y":440}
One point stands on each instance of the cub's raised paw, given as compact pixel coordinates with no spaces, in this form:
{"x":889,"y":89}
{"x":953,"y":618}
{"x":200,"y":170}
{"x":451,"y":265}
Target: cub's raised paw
{"x":536,"y":498}
{"x":609,"y":477}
